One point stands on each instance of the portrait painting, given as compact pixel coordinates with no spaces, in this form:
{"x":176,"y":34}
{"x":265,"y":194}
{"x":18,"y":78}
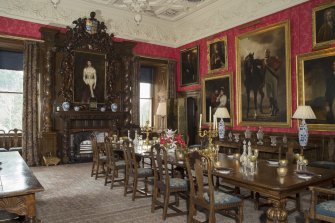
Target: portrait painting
{"x":316,"y":87}
{"x":89,"y":79}
{"x":217,"y":54}
{"x":324,"y":24}
{"x":217,"y":92}
{"x":189,"y":66}
{"x":263,"y":76}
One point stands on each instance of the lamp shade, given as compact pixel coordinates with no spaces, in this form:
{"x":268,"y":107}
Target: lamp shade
{"x":304,"y":112}
{"x":161,"y":109}
{"x":222,"y":112}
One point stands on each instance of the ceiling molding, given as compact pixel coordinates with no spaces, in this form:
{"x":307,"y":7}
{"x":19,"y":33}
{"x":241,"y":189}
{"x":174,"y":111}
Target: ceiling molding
{"x":215,"y":17}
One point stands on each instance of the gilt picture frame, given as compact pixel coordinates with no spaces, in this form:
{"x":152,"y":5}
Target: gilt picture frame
{"x":189,"y":66}
{"x":323,"y":21}
{"x":217,"y":91}
{"x":217,"y":57}
{"x":316,"y":87}
{"x":89,"y":79}
{"x":263,"y":74}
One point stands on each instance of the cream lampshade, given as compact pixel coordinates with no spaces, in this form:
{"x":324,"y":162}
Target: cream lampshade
{"x":221,"y":112}
{"x":303,"y":112}
{"x":161,"y":111}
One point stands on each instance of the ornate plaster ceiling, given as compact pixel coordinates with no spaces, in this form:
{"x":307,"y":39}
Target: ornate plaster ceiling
{"x":165,"y":22}
{"x":170,"y":10}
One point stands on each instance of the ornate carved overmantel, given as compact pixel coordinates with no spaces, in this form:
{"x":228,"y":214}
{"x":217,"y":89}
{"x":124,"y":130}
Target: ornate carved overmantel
{"x":58,"y":78}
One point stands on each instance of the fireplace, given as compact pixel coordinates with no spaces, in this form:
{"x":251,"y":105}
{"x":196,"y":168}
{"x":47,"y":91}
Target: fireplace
{"x":81,"y":145}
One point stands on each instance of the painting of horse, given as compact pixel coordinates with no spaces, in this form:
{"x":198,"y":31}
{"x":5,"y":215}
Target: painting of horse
{"x":254,"y":81}
{"x":263,"y":76}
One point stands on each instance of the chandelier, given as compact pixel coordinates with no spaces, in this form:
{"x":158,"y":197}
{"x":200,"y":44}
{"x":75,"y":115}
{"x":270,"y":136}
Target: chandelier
{"x":138,"y":7}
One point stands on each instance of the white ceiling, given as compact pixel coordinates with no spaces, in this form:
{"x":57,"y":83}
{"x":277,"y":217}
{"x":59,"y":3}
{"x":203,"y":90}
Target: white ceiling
{"x":170,"y":23}
{"x":170,"y":10}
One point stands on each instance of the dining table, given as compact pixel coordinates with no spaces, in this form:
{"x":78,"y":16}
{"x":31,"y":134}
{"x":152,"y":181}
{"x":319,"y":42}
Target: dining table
{"x":266,"y":181}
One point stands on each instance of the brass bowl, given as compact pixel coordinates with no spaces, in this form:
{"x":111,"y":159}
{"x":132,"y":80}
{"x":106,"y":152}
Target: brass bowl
{"x":283,"y":162}
{"x":282,"y":171}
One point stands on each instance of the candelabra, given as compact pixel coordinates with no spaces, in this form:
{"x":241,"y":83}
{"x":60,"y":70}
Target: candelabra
{"x":211,"y":133}
{"x":146,"y":129}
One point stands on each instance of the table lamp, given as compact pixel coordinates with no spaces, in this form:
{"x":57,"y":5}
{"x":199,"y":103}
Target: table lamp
{"x":161,"y":111}
{"x":303,"y":112}
{"x":221,"y":112}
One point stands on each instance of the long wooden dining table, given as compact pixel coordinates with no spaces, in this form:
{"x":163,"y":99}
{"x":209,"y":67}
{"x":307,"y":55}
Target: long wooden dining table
{"x":266,"y":181}
{"x":18,"y":186}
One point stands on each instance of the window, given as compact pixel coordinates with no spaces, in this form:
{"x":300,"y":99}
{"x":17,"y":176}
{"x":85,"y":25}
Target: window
{"x":11,"y":90}
{"x":146,"y":95}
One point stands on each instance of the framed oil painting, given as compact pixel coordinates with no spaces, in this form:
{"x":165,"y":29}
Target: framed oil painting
{"x":217,"y":54}
{"x":190,"y":66}
{"x":264,"y":77}
{"x":89,"y":80}
{"x":316,"y":87}
{"x":323,"y":24}
{"x":217,"y":92}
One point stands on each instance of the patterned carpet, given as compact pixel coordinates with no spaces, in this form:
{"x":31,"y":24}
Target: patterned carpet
{"x":71,"y":195}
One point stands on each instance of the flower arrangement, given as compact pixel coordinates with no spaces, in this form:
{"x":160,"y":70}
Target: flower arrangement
{"x":171,"y":140}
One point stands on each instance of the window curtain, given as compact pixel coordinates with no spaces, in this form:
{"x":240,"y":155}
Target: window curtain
{"x":30,"y":104}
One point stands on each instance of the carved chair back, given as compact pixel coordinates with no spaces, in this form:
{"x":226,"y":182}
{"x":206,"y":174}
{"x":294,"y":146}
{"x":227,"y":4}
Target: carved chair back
{"x":14,"y":137}
{"x":197,"y":166}
{"x":110,"y":146}
{"x":160,"y":165}
{"x":3,"y":138}
{"x":130,"y":158}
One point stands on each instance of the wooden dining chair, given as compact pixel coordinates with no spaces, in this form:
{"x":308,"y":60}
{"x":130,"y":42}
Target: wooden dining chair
{"x":99,"y":159}
{"x":14,"y":140}
{"x":321,"y":210}
{"x":113,"y":163}
{"x":3,"y":140}
{"x":206,"y":197}
{"x":165,"y":184}
{"x":135,"y":172}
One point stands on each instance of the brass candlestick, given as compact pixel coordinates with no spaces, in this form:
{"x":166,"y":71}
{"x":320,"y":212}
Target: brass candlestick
{"x":210,"y":133}
{"x":146,"y":129}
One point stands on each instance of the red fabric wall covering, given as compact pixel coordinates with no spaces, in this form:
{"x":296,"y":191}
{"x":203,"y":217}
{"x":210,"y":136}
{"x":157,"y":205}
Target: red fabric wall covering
{"x":300,"y":19}
{"x":20,"y":28}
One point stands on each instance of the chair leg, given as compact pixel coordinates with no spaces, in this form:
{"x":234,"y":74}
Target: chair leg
{"x":126,"y":182}
{"x":211,"y":218}
{"x":177,"y":199}
{"x":240,"y":214}
{"x":113,"y":177}
{"x":135,"y":182}
{"x":107,"y":175}
{"x":97,"y":171}
{"x":256,"y":203}
{"x":92,"y":171}
{"x":154,"y":198}
{"x":191,"y":212}
{"x":297,"y":201}
{"x":166,"y":204}
{"x":306,"y":215}
{"x":146,"y":185}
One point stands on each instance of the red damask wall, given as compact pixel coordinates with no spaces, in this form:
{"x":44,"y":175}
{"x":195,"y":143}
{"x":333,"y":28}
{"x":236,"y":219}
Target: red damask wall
{"x":300,"y":19}
{"x":15,"y":27}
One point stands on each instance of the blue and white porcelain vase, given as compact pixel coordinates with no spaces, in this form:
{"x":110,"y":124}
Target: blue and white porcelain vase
{"x":114,"y":107}
{"x":303,"y":134}
{"x":221,"y":129}
{"x":66,"y":106}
